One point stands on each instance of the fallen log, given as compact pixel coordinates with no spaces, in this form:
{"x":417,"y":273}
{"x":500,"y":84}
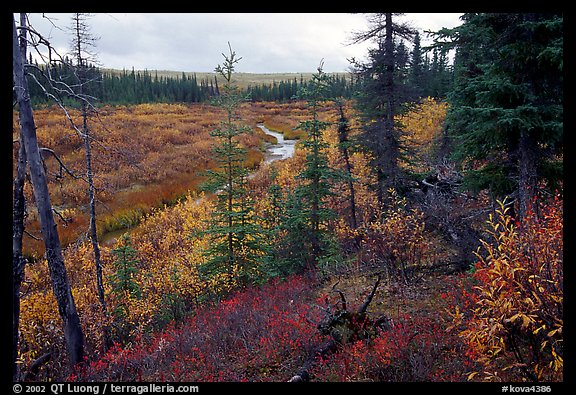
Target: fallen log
{"x":343,"y":327}
{"x":319,"y":351}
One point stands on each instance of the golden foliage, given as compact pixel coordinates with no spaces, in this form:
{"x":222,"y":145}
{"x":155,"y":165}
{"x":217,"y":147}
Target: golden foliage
{"x":423,"y":128}
{"x":147,"y":155}
{"x":143,"y":157}
{"x":168,"y":259}
{"x":397,"y":240}
{"x":362,"y":173}
{"x":517,"y":321}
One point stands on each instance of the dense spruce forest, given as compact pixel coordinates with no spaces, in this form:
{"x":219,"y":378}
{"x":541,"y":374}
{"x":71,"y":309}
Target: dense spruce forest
{"x":426,"y":74}
{"x":163,"y":232}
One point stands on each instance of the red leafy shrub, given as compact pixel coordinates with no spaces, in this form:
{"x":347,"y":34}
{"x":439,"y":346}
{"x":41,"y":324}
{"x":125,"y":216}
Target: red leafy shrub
{"x":412,"y":349}
{"x":259,"y":334}
{"x":512,"y":318}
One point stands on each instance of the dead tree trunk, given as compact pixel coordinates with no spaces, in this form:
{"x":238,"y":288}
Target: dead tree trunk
{"x":527,"y":172}
{"x":82,"y":38}
{"x":66,"y":307}
{"x":94,"y":235}
{"x":18,"y":262}
{"x":343,"y":130}
{"x":343,"y":327}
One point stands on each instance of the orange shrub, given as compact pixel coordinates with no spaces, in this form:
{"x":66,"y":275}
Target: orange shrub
{"x":515,"y":324}
{"x":396,"y":242}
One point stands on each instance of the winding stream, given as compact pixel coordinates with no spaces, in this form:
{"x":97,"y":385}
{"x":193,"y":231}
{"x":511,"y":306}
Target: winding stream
{"x":282,"y":150}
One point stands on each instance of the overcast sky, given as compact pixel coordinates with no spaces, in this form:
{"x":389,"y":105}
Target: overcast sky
{"x":267,"y":43}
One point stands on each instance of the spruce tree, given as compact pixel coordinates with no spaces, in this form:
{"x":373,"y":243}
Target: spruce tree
{"x":124,"y":287}
{"x":417,"y":73}
{"x":307,"y":214}
{"x":126,"y":267}
{"x":237,"y":246}
{"x":506,"y":114}
{"x":381,"y":94}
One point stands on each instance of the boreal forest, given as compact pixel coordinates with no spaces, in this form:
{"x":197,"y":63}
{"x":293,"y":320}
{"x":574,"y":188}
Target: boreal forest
{"x":399,"y":222}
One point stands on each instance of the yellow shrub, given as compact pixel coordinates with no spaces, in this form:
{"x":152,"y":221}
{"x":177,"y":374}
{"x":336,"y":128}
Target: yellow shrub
{"x":517,"y":320}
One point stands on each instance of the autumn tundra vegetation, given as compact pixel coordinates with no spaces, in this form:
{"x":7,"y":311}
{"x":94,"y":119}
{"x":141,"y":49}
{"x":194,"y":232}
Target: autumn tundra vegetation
{"x":388,"y":248}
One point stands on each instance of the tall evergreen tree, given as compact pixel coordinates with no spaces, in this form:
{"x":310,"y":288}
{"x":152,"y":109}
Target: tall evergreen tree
{"x":308,"y":239}
{"x":439,"y":75}
{"x":506,"y":116}
{"x":237,"y":246}
{"x":380,"y":97}
{"x":417,"y":71}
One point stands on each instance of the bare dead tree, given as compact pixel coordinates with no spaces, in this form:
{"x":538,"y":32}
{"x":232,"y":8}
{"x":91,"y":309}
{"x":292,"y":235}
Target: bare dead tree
{"x":73,"y":334}
{"x":82,"y":43}
{"x":344,"y":145}
{"x":342,"y":326}
{"x":18,"y":261}
{"x":56,"y":89}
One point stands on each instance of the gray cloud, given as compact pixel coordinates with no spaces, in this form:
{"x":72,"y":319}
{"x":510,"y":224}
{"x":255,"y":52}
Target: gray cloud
{"x":267,"y":43}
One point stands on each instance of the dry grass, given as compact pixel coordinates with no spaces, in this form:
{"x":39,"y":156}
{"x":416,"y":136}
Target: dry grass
{"x":145,"y":156}
{"x":392,"y":298}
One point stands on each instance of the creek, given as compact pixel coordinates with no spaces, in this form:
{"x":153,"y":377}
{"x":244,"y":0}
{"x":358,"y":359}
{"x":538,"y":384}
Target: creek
{"x":283,"y":149}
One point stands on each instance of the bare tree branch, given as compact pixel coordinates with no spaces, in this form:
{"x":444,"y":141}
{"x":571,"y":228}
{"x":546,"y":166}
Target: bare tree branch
{"x":73,"y":333}
{"x":62,"y":165}
{"x":59,"y":214}
{"x":342,"y":298}
{"x":366,"y":303}
{"x":31,"y":235}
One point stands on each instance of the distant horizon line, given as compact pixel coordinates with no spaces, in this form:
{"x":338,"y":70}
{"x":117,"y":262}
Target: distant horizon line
{"x":213,"y":72}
